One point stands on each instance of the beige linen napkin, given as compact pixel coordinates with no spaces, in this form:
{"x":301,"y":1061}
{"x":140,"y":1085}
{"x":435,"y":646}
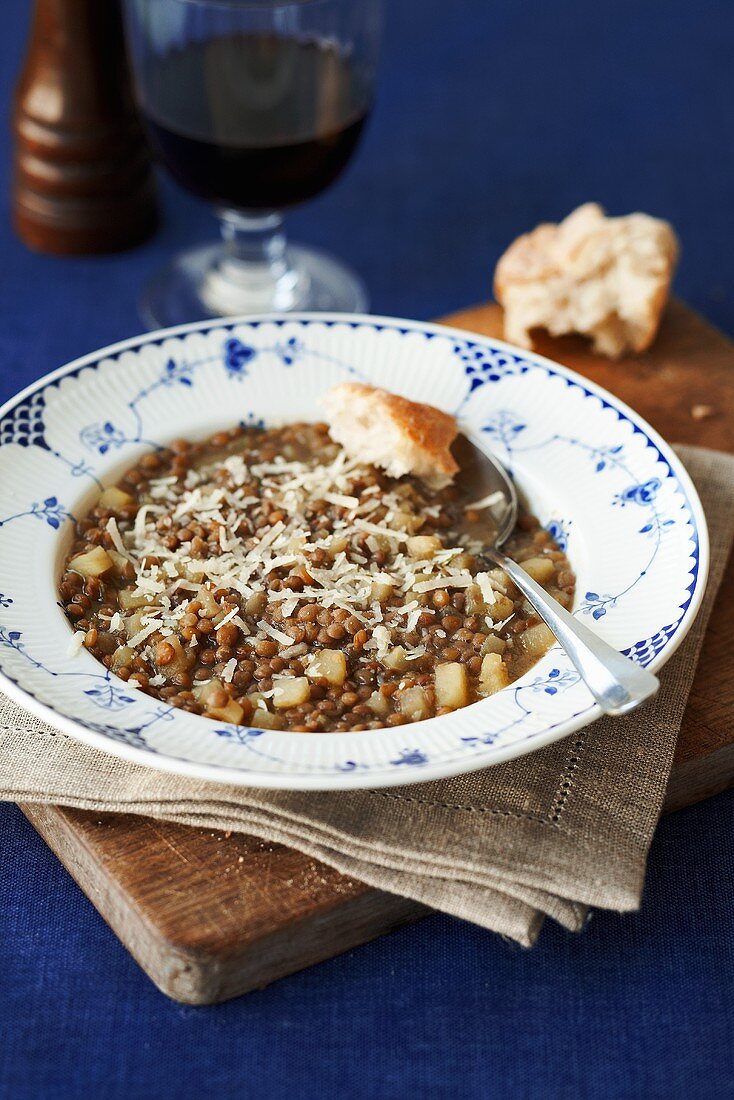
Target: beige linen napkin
{"x":550,"y":834}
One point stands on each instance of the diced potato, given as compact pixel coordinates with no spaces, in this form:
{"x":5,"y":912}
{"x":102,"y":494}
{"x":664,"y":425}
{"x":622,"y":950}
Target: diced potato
{"x":424,"y":546}
{"x":121,"y":565}
{"x":338,"y":544}
{"x":133,"y":623}
{"x":122,"y":656}
{"x":380,"y":542}
{"x":494,"y":644}
{"x":452,"y":688}
{"x":261,"y":716}
{"x":266,"y":720}
{"x":414,"y":704}
{"x":203,"y":692}
{"x":114,"y":498}
{"x":94,"y":563}
{"x":379,"y":704}
{"x":256,"y":604}
{"x":291,"y":692}
{"x":540,"y":569}
{"x":536,"y":640}
{"x":181,"y":662}
{"x":474,"y":601}
{"x":565,"y":599}
{"x":328,"y":664}
{"x":501,"y":609}
{"x":129,"y":602}
{"x":194,"y":571}
{"x":395,"y":658}
{"x":502,"y":583}
{"x":464,"y":561}
{"x":232,"y":713}
{"x":209,"y":605}
{"x":493,"y":674}
{"x":381,"y":591}
{"x":407,"y":521}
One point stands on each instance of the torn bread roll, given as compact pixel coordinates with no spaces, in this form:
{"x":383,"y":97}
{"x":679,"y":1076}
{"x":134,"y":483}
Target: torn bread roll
{"x":401,"y":436}
{"x":606,"y":278}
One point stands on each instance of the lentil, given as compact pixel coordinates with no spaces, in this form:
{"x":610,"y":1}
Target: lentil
{"x":207,"y":624}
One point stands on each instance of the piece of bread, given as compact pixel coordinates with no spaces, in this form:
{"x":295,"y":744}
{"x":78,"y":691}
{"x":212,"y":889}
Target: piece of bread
{"x":401,"y":436}
{"x":607,"y":278}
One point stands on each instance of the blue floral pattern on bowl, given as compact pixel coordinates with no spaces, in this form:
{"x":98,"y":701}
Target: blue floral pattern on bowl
{"x":609,"y":491}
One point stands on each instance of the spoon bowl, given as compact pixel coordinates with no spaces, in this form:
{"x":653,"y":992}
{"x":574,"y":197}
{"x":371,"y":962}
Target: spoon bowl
{"x":617,"y":683}
{"x":482,"y":476}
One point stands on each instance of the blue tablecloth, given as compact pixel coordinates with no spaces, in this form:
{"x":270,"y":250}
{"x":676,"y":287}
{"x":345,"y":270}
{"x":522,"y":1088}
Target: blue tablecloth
{"x":491,"y":117}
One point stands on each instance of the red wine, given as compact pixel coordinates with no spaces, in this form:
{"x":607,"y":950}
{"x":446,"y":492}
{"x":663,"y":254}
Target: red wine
{"x":255,"y":122}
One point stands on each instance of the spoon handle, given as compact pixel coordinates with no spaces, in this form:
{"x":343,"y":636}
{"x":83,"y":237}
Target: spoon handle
{"x":618,"y":684}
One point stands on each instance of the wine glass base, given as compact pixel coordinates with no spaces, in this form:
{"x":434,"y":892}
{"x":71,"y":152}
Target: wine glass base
{"x":204,"y":283}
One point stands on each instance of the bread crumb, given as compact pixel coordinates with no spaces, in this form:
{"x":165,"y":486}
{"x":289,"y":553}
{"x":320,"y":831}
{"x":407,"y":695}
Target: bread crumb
{"x":702,"y":412}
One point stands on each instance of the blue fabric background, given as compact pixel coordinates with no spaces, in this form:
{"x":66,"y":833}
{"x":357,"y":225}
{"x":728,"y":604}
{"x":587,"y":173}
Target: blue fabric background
{"x":492,"y":116}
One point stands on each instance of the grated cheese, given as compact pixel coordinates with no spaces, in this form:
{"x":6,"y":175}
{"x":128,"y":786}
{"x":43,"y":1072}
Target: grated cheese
{"x":486,"y":502}
{"x":500,"y":626}
{"x":114,"y":533}
{"x":228,"y":617}
{"x":412,"y":621}
{"x":341,"y":501}
{"x":289,"y":606}
{"x":485,"y":587}
{"x":75,"y":643}
{"x":274,"y":633}
{"x":386,"y":532}
{"x":458,"y":580}
{"x":143,"y":633}
{"x":247,"y":555}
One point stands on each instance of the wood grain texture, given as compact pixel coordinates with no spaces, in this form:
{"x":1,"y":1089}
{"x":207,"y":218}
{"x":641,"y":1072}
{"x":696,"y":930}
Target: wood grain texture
{"x":82,"y":178}
{"x":209,"y":915}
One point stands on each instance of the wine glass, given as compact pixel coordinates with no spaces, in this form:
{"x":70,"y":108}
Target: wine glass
{"x":254,"y":106}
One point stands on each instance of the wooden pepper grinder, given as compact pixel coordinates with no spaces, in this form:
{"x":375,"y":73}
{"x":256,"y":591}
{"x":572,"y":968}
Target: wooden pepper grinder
{"x":83,"y":181}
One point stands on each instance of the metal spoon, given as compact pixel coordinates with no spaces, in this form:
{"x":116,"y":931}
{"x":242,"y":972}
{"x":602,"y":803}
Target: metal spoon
{"x":618,"y":684}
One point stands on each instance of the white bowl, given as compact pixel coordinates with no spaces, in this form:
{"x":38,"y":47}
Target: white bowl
{"x":612,"y":492}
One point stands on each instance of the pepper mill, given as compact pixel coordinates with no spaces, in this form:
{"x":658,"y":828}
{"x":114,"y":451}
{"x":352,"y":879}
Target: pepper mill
{"x":82,"y":176}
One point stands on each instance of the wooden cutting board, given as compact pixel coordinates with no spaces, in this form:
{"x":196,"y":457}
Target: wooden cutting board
{"x":211,"y":915}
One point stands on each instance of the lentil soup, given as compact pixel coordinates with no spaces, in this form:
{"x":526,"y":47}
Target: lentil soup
{"x":264,"y":578}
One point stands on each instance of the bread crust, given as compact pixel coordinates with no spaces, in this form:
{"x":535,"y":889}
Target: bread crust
{"x":393,"y":432}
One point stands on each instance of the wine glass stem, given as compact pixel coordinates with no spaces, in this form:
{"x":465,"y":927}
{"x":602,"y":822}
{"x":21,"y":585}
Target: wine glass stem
{"x":255,"y":239}
{"x":252,"y":272}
